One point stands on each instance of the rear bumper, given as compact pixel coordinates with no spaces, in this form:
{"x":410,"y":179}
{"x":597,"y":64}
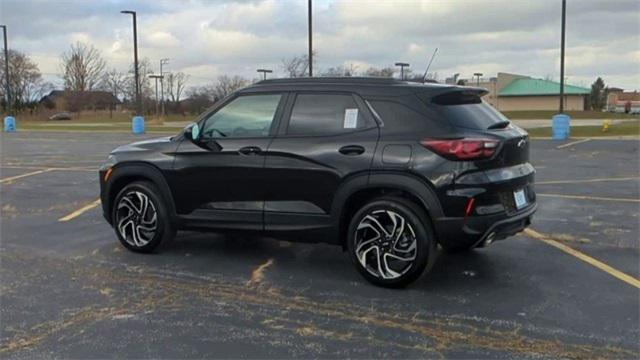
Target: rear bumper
{"x":481,"y":230}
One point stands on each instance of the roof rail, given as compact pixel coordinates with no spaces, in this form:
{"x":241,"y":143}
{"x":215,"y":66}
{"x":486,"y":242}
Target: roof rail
{"x":332,"y":80}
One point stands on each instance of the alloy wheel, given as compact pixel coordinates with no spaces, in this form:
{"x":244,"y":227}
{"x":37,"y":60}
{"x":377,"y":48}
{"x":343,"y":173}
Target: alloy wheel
{"x":386,"y":244}
{"x":136,"y":218}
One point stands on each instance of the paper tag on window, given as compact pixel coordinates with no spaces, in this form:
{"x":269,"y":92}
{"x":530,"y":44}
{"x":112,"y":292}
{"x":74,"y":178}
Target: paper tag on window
{"x":350,"y":118}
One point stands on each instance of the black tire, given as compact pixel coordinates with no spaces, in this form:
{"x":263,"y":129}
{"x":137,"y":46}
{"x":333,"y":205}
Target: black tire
{"x":419,"y":227}
{"x":163,"y":231}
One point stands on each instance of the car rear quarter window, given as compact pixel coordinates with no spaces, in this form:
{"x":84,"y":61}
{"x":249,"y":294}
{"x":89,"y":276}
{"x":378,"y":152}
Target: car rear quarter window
{"x":400,"y":117}
{"x":318,"y":114}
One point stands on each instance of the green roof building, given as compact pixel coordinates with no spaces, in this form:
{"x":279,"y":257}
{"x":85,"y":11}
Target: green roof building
{"x":512,"y":92}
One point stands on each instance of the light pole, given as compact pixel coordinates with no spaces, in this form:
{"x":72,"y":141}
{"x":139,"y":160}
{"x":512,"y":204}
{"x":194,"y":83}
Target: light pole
{"x":156,"y":77}
{"x":477,"y":75}
{"x":6,"y":69}
{"x":564,"y":20}
{"x":310,"y":42}
{"x":162,"y":62}
{"x":264,"y":73}
{"x":135,"y":57}
{"x":402,"y":66}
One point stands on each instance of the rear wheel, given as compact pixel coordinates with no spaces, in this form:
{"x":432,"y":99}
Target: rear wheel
{"x":391,"y":242}
{"x":140,"y":217}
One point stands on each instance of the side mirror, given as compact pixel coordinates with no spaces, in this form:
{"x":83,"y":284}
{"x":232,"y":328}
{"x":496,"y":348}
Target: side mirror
{"x":192,"y":132}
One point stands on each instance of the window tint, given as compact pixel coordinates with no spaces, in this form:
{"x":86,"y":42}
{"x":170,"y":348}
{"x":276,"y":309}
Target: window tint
{"x":466,"y":109}
{"x":324,"y":114}
{"x":400,"y":118}
{"x":471,"y":116}
{"x":245,"y":116}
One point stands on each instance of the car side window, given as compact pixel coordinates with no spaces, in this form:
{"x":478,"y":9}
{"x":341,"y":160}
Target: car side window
{"x":245,"y":116}
{"x":322,"y":114}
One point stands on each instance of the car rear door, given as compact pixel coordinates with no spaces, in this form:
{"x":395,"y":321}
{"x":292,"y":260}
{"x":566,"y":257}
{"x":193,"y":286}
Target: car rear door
{"x":324,"y":139}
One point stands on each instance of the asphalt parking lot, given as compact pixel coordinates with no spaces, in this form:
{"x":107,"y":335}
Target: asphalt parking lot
{"x":68,"y":289}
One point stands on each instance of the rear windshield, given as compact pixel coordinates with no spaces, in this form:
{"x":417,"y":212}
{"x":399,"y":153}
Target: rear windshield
{"x":466,"y":110}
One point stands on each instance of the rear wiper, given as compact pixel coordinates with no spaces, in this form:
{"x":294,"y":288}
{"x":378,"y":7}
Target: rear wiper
{"x":499,"y":125}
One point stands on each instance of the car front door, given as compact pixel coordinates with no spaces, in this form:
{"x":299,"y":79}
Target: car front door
{"x":217,"y":181}
{"x":324,"y":139}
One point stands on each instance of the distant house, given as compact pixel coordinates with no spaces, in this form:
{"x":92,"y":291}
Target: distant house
{"x":619,"y":100}
{"x":513,"y":92}
{"x":66,"y":100}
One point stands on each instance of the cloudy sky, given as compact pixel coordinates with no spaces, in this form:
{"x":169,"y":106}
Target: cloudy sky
{"x":209,"y":38}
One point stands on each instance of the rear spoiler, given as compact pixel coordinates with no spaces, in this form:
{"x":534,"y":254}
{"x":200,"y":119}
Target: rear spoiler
{"x":455,"y":95}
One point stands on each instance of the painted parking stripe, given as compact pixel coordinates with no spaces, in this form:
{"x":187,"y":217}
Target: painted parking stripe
{"x":573,"y":143}
{"x":584,"y":257}
{"x":581,"y":197}
{"x":587,"y":180}
{"x":2,"y":181}
{"x":80,"y":211}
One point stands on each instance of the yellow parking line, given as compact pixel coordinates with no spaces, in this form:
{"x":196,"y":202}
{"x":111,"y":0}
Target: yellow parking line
{"x":580,"y":197}
{"x":2,"y":181}
{"x":584,"y":257}
{"x":80,"y":211}
{"x":586,"y":180}
{"x":573,"y":143}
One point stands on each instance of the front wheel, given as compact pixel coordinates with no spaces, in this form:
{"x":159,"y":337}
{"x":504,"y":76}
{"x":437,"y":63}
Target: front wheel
{"x":391,"y":242}
{"x":140,"y":217}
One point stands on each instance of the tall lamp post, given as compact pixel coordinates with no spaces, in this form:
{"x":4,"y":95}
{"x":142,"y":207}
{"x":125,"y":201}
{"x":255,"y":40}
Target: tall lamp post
{"x":264,"y":73}
{"x":310,"y":41}
{"x":6,"y":69}
{"x":156,"y":77}
{"x":162,"y":62}
{"x":477,"y":75}
{"x":135,"y":58}
{"x":402,"y":66}
{"x":564,"y":20}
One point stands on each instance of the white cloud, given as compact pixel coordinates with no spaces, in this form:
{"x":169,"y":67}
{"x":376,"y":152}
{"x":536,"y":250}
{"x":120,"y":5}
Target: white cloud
{"x":206,"y":39}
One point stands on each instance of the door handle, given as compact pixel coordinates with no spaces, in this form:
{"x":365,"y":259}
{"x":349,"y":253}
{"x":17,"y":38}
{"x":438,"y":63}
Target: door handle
{"x":250,"y":150}
{"x":351,"y":150}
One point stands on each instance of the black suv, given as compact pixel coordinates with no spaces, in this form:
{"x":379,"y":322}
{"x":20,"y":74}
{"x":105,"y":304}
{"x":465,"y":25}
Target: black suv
{"x":387,"y":169}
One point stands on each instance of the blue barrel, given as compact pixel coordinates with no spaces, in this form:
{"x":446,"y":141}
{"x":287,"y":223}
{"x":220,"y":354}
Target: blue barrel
{"x":9,"y":124}
{"x":561,"y":126}
{"x":137,"y":125}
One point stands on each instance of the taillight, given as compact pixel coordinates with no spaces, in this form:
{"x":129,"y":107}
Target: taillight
{"x":462,"y":149}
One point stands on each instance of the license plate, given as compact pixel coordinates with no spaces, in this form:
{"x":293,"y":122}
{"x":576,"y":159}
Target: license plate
{"x":521,"y":200}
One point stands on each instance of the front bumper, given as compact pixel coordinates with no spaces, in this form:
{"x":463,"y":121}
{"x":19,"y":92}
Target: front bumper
{"x":481,"y":230}
{"x":104,"y":191}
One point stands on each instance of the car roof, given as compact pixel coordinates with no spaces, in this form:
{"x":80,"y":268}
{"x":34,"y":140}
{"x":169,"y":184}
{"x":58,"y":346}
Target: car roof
{"x":362,"y":85}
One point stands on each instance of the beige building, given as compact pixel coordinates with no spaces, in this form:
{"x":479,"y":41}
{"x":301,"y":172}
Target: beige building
{"x":512,"y":92}
{"x":619,"y":100}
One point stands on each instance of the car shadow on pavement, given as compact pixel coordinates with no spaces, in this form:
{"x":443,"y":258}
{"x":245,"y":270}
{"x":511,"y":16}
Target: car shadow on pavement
{"x":236,"y":256}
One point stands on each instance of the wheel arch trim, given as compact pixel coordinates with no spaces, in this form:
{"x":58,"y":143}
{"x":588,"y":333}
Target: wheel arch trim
{"x":419,"y":188}
{"x":137,"y":169}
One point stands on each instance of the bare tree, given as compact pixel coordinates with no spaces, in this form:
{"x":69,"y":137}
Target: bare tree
{"x":176,"y":84}
{"x":297,"y":66}
{"x":226,"y":85}
{"x":199,"y":99}
{"x":375,"y":72}
{"x":114,"y":82}
{"x":25,"y":80}
{"x":82,"y":67}
{"x":146,"y":91}
{"x":341,"y":71}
